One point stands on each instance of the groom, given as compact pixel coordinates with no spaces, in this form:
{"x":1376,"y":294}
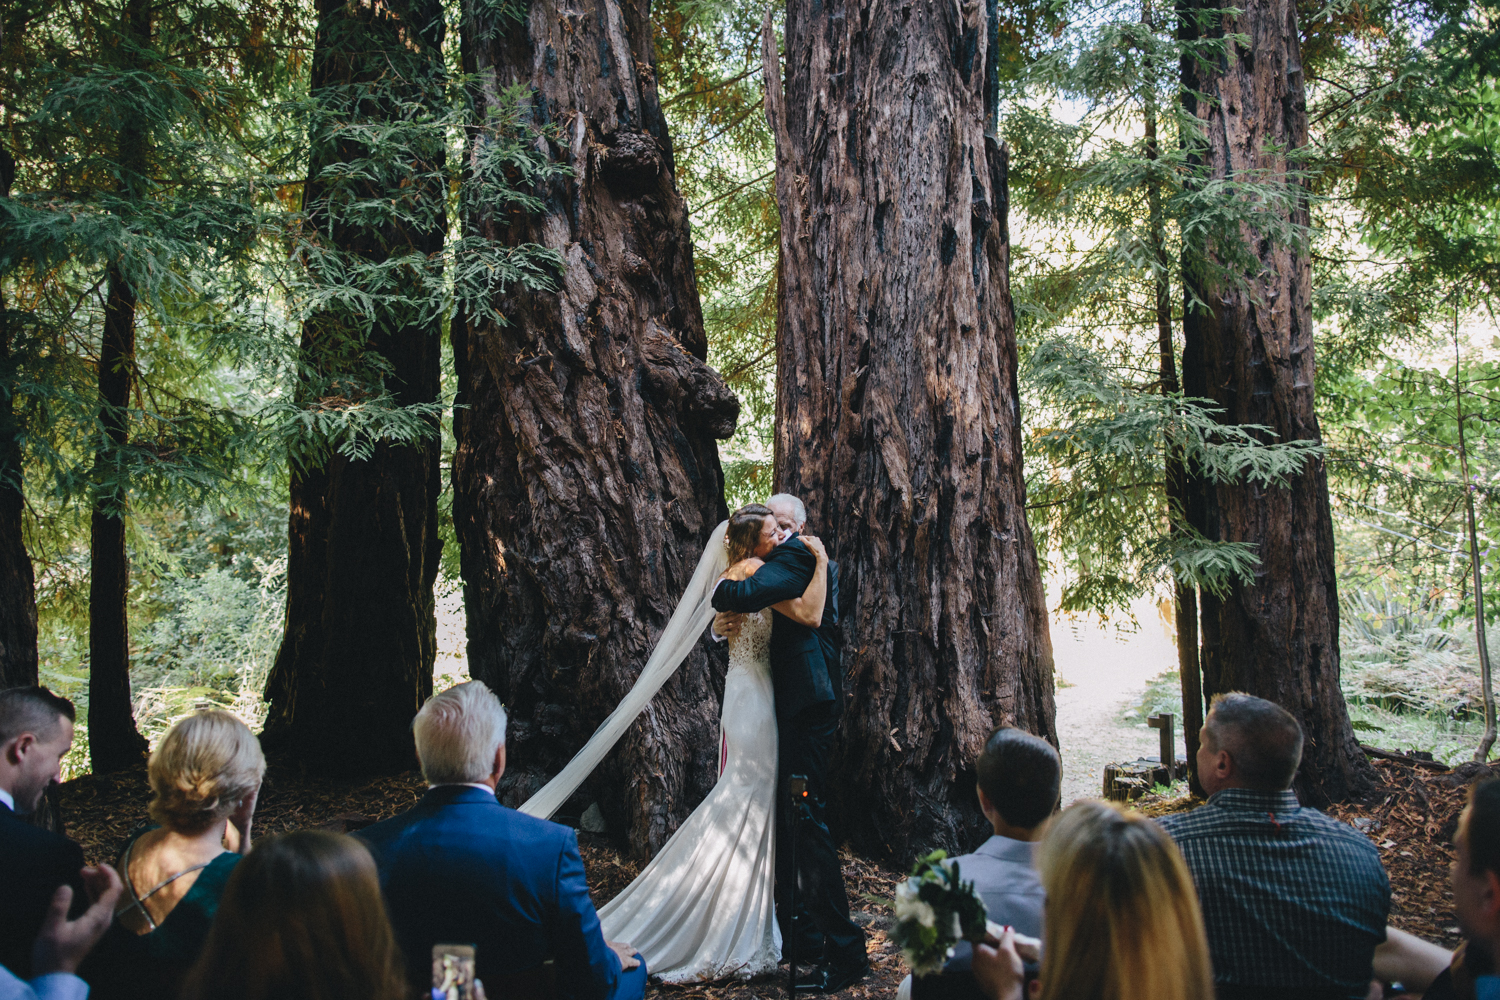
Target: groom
{"x":808,"y":680}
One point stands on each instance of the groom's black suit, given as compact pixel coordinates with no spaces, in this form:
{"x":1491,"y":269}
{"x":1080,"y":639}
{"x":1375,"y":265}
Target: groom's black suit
{"x":807,"y":677}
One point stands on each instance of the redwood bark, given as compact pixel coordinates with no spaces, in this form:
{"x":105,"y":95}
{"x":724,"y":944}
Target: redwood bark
{"x":587,"y":479}
{"x":18,"y":656}
{"x":897,"y":418}
{"x":1251,"y":351}
{"x":356,"y":658}
{"x":114,"y":742}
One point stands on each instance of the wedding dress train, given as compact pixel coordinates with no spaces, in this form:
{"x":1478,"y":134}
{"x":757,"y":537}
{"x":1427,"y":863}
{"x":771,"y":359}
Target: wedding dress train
{"x":704,"y":907}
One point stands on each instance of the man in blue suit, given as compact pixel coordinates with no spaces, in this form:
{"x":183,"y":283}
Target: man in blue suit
{"x":36,"y":732}
{"x":460,"y":868}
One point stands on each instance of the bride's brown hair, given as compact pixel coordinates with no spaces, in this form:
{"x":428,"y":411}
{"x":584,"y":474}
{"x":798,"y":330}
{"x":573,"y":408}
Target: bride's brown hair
{"x":743,"y":533}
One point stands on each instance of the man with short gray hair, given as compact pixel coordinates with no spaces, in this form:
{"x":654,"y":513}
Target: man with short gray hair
{"x":460,"y":868}
{"x":1294,"y":903}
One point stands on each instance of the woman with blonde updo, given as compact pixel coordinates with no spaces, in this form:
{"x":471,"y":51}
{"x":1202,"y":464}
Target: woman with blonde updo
{"x":1121,"y":920}
{"x":205,"y":776}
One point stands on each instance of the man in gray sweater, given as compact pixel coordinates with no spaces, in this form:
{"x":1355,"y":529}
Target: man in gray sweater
{"x":1020,"y":781}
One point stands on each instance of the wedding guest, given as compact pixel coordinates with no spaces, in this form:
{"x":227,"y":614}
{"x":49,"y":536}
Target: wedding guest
{"x":1475,"y":971}
{"x":1294,"y":902}
{"x":1020,"y":780}
{"x":62,"y":943}
{"x":461,"y":868}
{"x":1121,"y":919}
{"x":36,"y":732}
{"x":205,"y":777}
{"x":301,"y":916}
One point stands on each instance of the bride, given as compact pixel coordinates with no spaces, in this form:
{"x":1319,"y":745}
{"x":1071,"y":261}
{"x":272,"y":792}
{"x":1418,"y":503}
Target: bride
{"x":704,"y":907}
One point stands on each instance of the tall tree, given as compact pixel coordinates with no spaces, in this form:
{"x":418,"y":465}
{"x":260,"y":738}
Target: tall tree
{"x":356,"y":660}
{"x":114,"y":741}
{"x":586,"y":478}
{"x":1249,"y":347}
{"x":897,"y":417}
{"x":18,"y":655}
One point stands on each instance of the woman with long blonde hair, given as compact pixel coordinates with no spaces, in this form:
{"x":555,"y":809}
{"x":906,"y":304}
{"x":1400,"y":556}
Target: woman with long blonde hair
{"x":1121,"y":919}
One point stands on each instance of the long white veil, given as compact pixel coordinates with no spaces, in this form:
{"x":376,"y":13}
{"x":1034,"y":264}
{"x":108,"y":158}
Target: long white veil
{"x":687,"y":623}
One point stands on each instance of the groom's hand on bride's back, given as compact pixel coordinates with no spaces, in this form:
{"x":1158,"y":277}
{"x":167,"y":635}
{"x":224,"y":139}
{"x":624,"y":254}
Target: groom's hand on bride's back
{"x":626,"y":952}
{"x":727,"y":624}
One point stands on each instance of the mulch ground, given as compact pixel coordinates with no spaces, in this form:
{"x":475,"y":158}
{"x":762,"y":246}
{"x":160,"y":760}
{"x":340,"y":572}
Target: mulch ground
{"x":1411,"y":820}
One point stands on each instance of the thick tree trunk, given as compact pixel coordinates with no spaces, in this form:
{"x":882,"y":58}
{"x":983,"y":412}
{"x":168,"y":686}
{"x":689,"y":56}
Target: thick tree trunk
{"x":114,"y":742}
{"x":18,"y":664}
{"x":587,"y":480}
{"x":1251,"y":351}
{"x":356,"y":659}
{"x":897,"y":419}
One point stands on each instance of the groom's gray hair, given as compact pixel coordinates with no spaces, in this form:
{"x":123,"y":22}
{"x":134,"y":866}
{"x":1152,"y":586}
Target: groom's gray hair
{"x":458,"y":733}
{"x":799,"y":512}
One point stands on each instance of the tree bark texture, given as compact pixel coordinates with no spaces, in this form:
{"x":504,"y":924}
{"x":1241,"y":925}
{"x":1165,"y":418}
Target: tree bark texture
{"x":114,"y":742}
{"x":897,"y":418}
{"x":587,"y":479}
{"x":356,"y":659}
{"x":18,"y":656}
{"x":1251,"y":351}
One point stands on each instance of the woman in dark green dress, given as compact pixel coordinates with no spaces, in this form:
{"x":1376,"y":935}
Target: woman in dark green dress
{"x":205,"y":776}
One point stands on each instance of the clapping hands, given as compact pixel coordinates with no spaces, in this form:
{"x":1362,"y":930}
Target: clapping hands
{"x":61,"y":944}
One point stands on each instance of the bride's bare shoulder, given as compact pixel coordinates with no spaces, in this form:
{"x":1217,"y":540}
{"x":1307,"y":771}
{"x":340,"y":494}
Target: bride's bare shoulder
{"x":744,"y":569}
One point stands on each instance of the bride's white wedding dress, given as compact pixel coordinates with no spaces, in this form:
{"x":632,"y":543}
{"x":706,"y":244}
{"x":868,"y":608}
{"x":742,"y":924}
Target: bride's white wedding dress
{"x":704,"y":907}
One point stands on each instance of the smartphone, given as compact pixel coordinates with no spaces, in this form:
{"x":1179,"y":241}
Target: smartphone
{"x":453,"y":972}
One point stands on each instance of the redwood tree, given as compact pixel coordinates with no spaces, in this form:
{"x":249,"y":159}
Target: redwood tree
{"x":1249,"y":347}
{"x":587,"y":479}
{"x":897,"y":419}
{"x":114,"y":741}
{"x":356,"y":660}
{"x":18,"y":656}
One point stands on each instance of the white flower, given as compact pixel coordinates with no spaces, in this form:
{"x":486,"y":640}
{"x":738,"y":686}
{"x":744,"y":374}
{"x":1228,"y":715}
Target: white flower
{"x":909,"y":906}
{"x":958,"y":927}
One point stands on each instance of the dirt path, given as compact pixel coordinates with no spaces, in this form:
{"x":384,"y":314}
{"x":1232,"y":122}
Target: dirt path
{"x":1104,"y":669}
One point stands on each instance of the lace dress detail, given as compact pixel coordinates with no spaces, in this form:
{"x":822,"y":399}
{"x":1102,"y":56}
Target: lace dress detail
{"x":704,"y":908}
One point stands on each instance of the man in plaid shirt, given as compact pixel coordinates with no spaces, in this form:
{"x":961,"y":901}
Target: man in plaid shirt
{"x":1294,"y":903}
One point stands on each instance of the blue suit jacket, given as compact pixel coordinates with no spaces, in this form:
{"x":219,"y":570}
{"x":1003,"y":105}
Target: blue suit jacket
{"x":460,"y":868}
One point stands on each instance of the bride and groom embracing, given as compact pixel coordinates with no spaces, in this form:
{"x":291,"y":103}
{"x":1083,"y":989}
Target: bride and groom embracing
{"x":707,"y":906}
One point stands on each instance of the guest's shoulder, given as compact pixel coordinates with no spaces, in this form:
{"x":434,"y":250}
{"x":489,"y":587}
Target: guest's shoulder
{"x":1342,"y":833}
{"x":25,"y":843}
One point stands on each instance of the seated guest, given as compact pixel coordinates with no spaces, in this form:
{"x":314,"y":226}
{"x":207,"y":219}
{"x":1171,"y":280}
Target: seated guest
{"x":205,"y":776}
{"x":1294,"y":902}
{"x":36,"y":732}
{"x":1121,"y":918}
{"x":1475,"y":972}
{"x":1020,"y":779}
{"x":460,"y":868}
{"x":301,"y":917}
{"x":61,"y":943}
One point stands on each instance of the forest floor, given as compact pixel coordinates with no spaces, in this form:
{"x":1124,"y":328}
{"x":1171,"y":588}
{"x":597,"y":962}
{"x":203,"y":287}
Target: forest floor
{"x":1411,"y":820}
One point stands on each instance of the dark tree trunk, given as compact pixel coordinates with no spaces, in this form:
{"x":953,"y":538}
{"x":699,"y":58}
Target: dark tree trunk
{"x":1251,"y":350}
{"x":114,"y":742}
{"x":356,"y":659}
{"x":18,"y":664}
{"x":1185,"y":596}
{"x":897,"y":418}
{"x":587,"y":480}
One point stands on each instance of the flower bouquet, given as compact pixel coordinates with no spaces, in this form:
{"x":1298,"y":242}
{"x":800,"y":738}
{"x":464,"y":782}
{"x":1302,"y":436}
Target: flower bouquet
{"x":935,"y":910}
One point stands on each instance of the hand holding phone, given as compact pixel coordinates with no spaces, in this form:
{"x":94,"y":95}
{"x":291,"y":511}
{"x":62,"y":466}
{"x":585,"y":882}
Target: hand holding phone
{"x":453,"y":972}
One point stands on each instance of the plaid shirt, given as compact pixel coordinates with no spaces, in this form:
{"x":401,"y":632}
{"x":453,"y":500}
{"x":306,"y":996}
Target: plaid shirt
{"x":1291,"y":899}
